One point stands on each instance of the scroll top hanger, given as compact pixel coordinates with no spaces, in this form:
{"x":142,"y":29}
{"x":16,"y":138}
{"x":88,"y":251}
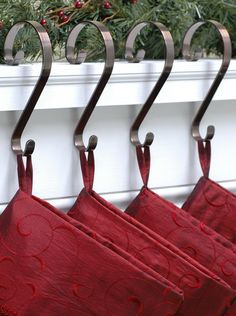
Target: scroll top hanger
{"x":169,"y":59}
{"x":227,"y":51}
{"x":45,"y":72}
{"x":109,"y":62}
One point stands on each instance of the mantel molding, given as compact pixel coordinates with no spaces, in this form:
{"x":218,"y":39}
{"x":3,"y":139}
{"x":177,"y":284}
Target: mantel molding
{"x":175,"y":166}
{"x":188,"y":82}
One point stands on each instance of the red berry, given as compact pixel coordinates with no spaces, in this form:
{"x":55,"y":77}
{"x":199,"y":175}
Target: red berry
{"x":133,"y":1}
{"x":78,"y":4}
{"x":61,"y":13}
{"x":43,"y":22}
{"x":107,"y":5}
{"x":64,"y":18}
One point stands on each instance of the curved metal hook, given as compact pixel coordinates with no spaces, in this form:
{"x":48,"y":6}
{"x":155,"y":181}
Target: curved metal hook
{"x":169,"y":59}
{"x":227,"y":51}
{"x":45,"y":72}
{"x":109,"y":62}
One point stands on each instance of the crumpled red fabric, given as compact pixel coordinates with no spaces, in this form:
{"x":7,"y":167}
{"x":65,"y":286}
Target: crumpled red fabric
{"x":51,"y":265}
{"x":211,"y":203}
{"x":193,"y":237}
{"x":204,"y":293}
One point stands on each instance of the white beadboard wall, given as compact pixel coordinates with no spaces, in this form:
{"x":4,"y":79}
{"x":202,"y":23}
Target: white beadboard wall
{"x":175,"y":167}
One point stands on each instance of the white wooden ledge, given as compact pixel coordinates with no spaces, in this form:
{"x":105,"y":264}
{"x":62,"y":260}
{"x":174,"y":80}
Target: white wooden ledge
{"x":175,"y":167}
{"x":128,"y":84}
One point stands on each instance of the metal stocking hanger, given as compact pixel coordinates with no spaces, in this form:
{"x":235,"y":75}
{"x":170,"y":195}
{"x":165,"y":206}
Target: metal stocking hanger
{"x":109,"y":62}
{"x":169,"y":59}
{"x":44,"y":75}
{"x":227,"y":51}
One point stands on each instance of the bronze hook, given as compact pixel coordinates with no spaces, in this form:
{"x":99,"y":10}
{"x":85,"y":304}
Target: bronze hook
{"x":227,"y":51}
{"x":169,"y":59}
{"x":109,"y":62}
{"x":45,"y":72}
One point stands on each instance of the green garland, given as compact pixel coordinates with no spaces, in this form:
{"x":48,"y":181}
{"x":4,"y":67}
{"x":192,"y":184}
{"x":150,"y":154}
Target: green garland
{"x":59,"y":17}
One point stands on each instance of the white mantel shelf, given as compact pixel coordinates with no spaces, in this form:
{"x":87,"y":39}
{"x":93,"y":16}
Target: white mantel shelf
{"x":175,"y":166}
{"x":72,"y":85}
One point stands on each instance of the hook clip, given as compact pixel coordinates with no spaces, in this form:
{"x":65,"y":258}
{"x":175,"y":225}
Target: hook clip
{"x":227,"y":51}
{"x":169,"y":59}
{"x":45,"y":72}
{"x":78,"y":59}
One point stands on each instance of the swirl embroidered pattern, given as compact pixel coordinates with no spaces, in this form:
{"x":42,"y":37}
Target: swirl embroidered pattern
{"x":192,"y":280}
{"x":215,"y":206}
{"x":49,"y":266}
{"x":25,"y":230}
{"x":131,"y":303}
{"x":187,"y":233}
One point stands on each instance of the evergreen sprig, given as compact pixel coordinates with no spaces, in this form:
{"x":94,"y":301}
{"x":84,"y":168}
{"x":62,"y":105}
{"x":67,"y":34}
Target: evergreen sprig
{"x":59,"y":17}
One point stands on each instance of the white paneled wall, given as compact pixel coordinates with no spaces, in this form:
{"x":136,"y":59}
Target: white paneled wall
{"x":175,"y":166}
